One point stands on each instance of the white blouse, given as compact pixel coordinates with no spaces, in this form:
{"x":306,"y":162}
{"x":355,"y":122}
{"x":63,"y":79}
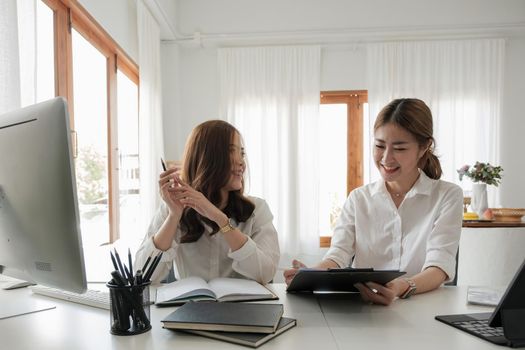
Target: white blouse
{"x":210,"y":256}
{"x":424,"y":231}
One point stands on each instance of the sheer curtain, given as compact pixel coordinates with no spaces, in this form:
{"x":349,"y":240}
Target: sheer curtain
{"x":271,"y":94}
{"x":17,"y":54}
{"x":461,"y":82}
{"x":151,"y":142}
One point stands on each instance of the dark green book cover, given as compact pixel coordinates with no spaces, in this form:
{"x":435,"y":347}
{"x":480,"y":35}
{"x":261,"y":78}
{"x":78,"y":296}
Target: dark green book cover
{"x":248,"y":339}
{"x":227,"y":317}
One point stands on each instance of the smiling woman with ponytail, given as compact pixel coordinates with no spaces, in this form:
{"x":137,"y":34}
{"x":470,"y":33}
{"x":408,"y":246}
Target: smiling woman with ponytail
{"x":410,"y":220}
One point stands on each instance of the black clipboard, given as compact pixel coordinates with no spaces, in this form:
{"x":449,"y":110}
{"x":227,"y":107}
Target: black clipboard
{"x":338,"y":280}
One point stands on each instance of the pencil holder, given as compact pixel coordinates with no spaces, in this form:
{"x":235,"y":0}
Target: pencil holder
{"x":129,"y":309}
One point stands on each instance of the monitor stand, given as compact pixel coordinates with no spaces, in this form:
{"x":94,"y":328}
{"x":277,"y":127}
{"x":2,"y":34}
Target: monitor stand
{"x":7,"y":285}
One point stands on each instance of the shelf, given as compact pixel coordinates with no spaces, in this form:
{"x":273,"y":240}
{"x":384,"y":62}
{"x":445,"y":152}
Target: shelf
{"x":494,"y":224}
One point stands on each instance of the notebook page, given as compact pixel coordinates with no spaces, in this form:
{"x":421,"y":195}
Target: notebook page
{"x":181,"y":287}
{"x":238,"y":286}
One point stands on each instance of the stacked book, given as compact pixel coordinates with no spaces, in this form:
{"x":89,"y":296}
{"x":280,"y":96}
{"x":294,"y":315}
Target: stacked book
{"x":247,"y":324}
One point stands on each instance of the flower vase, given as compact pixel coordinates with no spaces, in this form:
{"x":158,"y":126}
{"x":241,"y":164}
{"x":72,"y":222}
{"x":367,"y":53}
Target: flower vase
{"x":479,"y":202}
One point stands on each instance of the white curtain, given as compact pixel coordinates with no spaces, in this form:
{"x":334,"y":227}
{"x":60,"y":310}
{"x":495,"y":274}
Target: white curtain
{"x":151,"y":142}
{"x":461,"y":82}
{"x":271,"y":94}
{"x":17,"y":54}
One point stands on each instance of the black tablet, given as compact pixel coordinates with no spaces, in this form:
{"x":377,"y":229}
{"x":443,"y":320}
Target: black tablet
{"x":338,"y":280}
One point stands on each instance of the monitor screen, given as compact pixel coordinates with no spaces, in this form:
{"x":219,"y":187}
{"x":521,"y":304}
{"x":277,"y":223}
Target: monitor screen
{"x":40,"y":238}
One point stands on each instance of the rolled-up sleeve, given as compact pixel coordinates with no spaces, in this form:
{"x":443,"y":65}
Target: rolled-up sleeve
{"x":258,"y":258}
{"x":342,"y":247}
{"x":443,"y":241}
{"x":148,"y":249}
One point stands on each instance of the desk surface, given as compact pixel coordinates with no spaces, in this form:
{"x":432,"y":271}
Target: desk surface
{"x":323,"y":322}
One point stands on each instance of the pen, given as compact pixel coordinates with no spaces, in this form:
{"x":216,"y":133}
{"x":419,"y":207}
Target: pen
{"x":149,"y":272}
{"x":165,"y":169}
{"x":121,"y":269}
{"x":138,"y":278}
{"x":152,"y":267}
{"x":128,"y":275}
{"x":146,"y":263}
{"x":130,"y":264}
{"x":113,"y":260}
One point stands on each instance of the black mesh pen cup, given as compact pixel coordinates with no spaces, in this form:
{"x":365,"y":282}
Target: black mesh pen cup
{"x":129,"y":308}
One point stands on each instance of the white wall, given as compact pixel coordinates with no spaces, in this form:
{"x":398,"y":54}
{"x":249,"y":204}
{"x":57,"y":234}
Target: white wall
{"x":245,"y":16}
{"x":343,"y":64}
{"x":119,"y":20}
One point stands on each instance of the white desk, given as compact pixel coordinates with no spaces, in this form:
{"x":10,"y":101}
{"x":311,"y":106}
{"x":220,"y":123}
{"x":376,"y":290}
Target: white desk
{"x":323,"y":322}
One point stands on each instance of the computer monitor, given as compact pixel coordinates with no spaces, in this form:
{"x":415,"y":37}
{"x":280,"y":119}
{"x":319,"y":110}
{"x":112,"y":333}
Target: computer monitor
{"x":40,"y":238}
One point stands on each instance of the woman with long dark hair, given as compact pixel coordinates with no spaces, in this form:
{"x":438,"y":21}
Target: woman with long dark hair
{"x":206,"y":225}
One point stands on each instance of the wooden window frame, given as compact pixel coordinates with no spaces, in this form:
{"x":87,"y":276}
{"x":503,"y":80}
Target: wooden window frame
{"x":70,"y":14}
{"x":354,"y":172}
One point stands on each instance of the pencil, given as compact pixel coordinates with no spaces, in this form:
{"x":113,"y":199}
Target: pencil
{"x":121,"y":269}
{"x":152,"y":267}
{"x":130,"y":264}
{"x":113,"y":260}
{"x":146,"y":263}
{"x":163,"y":164}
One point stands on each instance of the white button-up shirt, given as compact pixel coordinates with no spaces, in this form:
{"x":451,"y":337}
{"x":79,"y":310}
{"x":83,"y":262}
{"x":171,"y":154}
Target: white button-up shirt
{"x":424,"y":231}
{"x":210,"y":256}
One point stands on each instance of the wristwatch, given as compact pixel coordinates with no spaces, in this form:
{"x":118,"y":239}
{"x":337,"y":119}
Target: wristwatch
{"x":410,"y":290}
{"x":228,"y":227}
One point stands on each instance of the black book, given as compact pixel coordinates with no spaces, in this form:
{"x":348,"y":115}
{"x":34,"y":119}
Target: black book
{"x":226,"y":317}
{"x":253,"y":340}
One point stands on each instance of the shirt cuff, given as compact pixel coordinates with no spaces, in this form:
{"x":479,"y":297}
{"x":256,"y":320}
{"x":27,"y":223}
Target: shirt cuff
{"x":333,"y":255}
{"x":167,"y":255}
{"x":248,"y":249}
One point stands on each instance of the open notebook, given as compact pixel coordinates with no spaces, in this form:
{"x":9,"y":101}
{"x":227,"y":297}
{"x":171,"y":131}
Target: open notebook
{"x":217,"y":289}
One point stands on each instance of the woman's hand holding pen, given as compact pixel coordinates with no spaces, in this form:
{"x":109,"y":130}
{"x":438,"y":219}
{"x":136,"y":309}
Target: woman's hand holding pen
{"x":167,"y":182}
{"x":189,"y":197}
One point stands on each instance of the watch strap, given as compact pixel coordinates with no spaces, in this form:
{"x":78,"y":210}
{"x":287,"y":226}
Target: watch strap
{"x":410,"y":290}
{"x":228,"y":227}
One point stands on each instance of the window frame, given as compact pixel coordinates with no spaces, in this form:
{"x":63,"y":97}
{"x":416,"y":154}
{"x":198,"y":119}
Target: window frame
{"x":354,"y":100}
{"x":68,"y":15}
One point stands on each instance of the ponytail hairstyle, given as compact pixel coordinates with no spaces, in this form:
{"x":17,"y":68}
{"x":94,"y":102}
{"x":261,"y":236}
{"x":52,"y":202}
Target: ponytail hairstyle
{"x":207,"y":167}
{"x":414,"y":116}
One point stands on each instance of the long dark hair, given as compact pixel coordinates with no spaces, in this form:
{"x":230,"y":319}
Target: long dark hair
{"x":414,"y":116}
{"x":207,"y":167}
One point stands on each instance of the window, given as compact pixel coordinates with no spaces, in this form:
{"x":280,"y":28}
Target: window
{"x":100,"y":83}
{"x":341,"y":160}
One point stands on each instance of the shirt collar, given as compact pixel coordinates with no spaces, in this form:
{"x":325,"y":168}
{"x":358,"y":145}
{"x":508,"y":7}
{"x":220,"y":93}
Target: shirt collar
{"x":422,"y":186}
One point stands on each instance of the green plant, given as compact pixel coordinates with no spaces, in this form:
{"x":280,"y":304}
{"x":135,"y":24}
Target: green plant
{"x":482,"y":172}
{"x":90,"y":175}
